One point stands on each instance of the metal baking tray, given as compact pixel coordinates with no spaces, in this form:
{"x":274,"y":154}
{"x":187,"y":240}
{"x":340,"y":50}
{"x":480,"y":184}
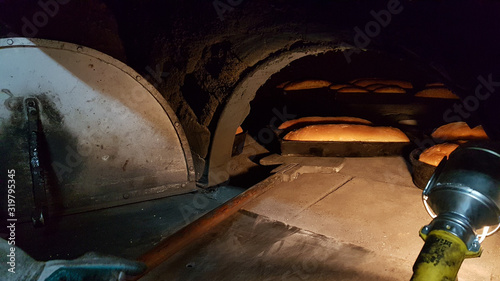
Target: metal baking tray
{"x":342,"y":149}
{"x":420,"y":172}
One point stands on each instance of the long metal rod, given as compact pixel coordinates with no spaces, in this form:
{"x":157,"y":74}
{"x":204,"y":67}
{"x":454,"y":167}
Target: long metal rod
{"x":185,"y":236}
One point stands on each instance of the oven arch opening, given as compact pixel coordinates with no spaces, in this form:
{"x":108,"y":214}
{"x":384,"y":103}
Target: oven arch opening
{"x":241,"y":105}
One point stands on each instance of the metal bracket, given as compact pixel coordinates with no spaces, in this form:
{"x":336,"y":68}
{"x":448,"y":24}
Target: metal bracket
{"x":455,"y":225}
{"x":34,"y":125}
{"x":91,"y":266}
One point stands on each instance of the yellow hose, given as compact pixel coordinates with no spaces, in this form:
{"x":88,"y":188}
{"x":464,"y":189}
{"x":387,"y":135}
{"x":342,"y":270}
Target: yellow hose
{"x":440,"y":258}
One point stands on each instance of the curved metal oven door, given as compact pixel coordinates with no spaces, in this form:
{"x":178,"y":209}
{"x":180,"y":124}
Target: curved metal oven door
{"x":83,"y":131}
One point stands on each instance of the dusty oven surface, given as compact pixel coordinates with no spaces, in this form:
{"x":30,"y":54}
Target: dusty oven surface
{"x":321,"y":218}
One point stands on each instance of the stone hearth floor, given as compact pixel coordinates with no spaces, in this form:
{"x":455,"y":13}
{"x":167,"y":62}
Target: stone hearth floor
{"x":340,"y":219}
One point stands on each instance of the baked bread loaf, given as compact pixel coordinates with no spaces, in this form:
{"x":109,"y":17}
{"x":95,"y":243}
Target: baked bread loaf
{"x":370,"y":81}
{"x":434,"y":154}
{"x":304,"y":121}
{"x":434,"y":84}
{"x":352,"y":89}
{"x":459,"y":131}
{"x":390,"y":90}
{"x":438,"y":93}
{"x":347,"y":133}
{"x":282,"y":85}
{"x":408,"y":122}
{"x":306,"y":84}
{"x":239,"y":130}
{"x":373,"y":87}
{"x":339,"y":86}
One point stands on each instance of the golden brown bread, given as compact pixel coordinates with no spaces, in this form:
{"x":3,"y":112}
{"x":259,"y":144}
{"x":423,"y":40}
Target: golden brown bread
{"x":304,"y":121}
{"x":434,"y":84}
{"x":347,"y":133}
{"x":390,"y":90}
{"x":440,"y":93}
{"x":282,"y":85}
{"x":370,"y":81}
{"x":434,"y":154}
{"x":459,"y":131}
{"x":373,"y":87}
{"x":306,"y":85}
{"x":239,"y":130}
{"x":352,"y":89}
{"x":339,"y":86}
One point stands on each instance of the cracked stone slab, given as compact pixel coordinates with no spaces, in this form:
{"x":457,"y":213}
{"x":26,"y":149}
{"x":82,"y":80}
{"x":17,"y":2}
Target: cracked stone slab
{"x":276,"y":159}
{"x":384,"y":218}
{"x":390,"y":169}
{"x":253,"y":247}
{"x":379,"y":216}
{"x":285,"y":200}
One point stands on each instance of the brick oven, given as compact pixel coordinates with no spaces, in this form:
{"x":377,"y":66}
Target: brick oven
{"x":246,"y":205}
